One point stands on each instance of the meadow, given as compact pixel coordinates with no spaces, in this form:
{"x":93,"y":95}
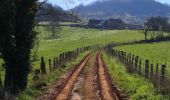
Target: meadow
{"x":134,"y":86}
{"x":154,"y":52}
{"x":70,"y":38}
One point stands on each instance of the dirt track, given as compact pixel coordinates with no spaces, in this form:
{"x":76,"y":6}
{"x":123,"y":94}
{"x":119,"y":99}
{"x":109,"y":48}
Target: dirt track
{"x":88,"y":81}
{"x":107,"y":92}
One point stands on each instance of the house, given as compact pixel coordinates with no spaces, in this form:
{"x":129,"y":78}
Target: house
{"x":94,"y":23}
{"x":114,"y":24}
{"x":106,"y":24}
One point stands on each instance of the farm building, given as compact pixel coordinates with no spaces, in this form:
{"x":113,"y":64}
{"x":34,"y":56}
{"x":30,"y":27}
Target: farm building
{"x":112,"y":24}
{"x":94,"y":23}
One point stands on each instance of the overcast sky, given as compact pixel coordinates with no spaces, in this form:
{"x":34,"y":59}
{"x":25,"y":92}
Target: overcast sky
{"x":72,"y":3}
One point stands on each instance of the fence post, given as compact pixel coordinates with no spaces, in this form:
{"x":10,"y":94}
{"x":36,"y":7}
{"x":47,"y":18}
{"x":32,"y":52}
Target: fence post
{"x":133,"y":56}
{"x":151,"y":74}
{"x":124,"y":57}
{"x":146,"y":68}
{"x":136,"y":62}
{"x":43,"y":68}
{"x":157,"y":70}
{"x":36,"y":74}
{"x":132,"y":62}
{"x":140,"y":64}
{"x":50,"y":65}
{"x":163,"y":73}
{"x":54,"y":62}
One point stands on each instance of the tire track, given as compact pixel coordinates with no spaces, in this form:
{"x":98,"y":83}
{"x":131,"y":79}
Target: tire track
{"x":86,"y":87}
{"x":87,"y":81}
{"x":106,"y":90}
{"x":65,"y":92}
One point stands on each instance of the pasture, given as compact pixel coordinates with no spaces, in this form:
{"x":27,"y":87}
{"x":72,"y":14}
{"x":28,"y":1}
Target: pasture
{"x":70,"y":38}
{"x":154,"y":52}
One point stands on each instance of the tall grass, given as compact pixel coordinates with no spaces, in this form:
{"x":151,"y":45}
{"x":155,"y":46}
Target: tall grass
{"x":31,"y":92}
{"x":135,"y":86}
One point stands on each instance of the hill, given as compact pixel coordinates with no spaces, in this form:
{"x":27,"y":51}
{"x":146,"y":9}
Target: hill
{"x":136,"y":10}
{"x":48,"y":12}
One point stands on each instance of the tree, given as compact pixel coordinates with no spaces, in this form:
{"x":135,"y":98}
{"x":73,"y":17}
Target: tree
{"x":146,"y":33}
{"x":54,"y":30}
{"x":16,"y":38}
{"x":51,"y":15}
{"x":157,"y":25}
{"x":16,"y":41}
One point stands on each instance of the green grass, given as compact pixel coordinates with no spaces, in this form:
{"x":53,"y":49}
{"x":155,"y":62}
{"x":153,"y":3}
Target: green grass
{"x":70,"y":38}
{"x":136,"y":87}
{"x":31,"y":92}
{"x":155,"y":52}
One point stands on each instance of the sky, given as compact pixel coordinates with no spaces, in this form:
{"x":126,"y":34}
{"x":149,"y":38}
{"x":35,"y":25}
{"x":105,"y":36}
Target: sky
{"x":72,"y":3}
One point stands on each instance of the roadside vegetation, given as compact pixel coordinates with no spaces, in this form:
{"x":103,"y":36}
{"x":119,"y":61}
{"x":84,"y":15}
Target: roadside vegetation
{"x":32,"y":38}
{"x":136,"y":87}
{"x":68,"y":38}
{"x":35,"y":88}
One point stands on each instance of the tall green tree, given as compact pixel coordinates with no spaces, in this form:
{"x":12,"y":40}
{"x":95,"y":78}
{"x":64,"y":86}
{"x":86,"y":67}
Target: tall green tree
{"x":16,"y":38}
{"x":157,"y":25}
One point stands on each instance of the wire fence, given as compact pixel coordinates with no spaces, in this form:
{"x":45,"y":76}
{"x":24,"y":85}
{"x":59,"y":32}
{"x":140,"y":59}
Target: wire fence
{"x":156,"y":73}
{"x":61,"y":60}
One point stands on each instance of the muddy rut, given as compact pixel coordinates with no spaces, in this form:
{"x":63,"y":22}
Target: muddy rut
{"x":88,"y":81}
{"x":86,"y":87}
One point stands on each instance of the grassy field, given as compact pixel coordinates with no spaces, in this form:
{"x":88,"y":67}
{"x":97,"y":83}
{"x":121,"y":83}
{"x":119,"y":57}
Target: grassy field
{"x":70,"y":38}
{"x":136,"y":87}
{"x":155,"y":52}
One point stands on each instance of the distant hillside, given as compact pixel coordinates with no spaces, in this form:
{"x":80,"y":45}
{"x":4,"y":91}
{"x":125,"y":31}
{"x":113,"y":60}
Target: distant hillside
{"x":48,"y":12}
{"x":128,"y":10}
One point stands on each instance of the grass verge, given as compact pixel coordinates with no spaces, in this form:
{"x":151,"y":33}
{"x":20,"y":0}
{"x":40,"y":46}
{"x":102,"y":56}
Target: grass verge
{"x":135,"y":86}
{"x":31,"y":92}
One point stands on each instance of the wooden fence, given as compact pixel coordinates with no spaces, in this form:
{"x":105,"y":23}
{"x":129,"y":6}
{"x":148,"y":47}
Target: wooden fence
{"x":60,"y":61}
{"x":156,"y":73}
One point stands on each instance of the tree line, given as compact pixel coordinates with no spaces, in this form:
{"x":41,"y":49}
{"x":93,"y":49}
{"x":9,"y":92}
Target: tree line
{"x":156,"y":27}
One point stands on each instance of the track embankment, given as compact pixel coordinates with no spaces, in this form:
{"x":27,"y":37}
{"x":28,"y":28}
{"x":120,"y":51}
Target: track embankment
{"x":60,"y":84}
{"x":107,"y":92}
{"x":89,"y":80}
{"x":65,"y":93}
